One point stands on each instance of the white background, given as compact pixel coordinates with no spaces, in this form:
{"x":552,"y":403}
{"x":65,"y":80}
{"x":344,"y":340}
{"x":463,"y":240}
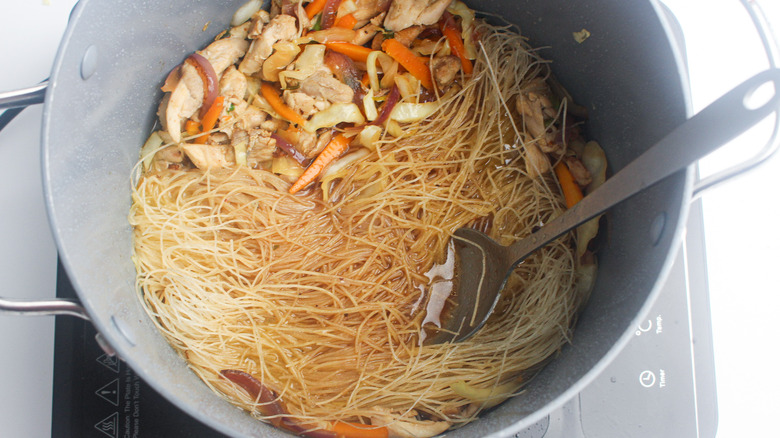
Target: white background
{"x":742,"y":222}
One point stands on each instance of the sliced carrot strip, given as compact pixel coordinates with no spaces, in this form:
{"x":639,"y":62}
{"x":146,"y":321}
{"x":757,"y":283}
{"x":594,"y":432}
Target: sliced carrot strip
{"x":409,"y":61}
{"x":348,"y":21}
{"x":571,"y":191}
{"x":314,"y":8}
{"x":353,"y":51}
{"x":191,"y":127}
{"x":356,"y":430}
{"x":210,"y":118}
{"x":365,"y":79}
{"x":337,"y":146}
{"x":281,"y":108}
{"x":457,"y":47}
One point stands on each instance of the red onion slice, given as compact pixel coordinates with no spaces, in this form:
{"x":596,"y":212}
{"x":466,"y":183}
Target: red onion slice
{"x":387,"y":108}
{"x":346,"y":71}
{"x":210,"y":80}
{"x":329,"y":14}
{"x":271,"y":406}
{"x":284,"y":145}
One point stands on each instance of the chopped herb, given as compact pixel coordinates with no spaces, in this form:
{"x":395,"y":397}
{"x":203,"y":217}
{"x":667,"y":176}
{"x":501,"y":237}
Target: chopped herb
{"x":318,"y":23}
{"x":231,"y":108}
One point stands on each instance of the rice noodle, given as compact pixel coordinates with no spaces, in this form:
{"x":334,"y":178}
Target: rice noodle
{"x":315,"y":298}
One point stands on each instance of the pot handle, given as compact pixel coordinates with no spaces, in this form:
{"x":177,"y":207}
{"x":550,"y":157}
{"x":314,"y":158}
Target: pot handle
{"x":50,"y":307}
{"x":770,"y":42}
{"x":24,"y":97}
{"x":14,"y":102}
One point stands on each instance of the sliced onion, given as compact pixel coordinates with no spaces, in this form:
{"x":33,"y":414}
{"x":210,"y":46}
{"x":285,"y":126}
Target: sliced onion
{"x":210,"y":80}
{"x":269,"y":404}
{"x":387,"y":108}
{"x":245,"y":12}
{"x":288,"y":148}
{"x":329,"y":14}
{"x":172,"y":80}
{"x":344,"y":69}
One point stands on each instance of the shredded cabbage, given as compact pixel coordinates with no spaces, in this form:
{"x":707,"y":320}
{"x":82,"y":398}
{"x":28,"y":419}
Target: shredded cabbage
{"x":467,"y":21}
{"x":369,"y":106}
{"x":413,"y":112}
{"x":369,"y":136}
{"x":240,"y":151}
{"x":150,"y":148}
{"x":333,"y":115}
{"x":286,"y":166}
{"x":338,"y":169}
{"x":488,"y":396}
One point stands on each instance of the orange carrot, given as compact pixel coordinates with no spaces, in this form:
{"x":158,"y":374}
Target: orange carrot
{"x":409,"y":61}
{"x":365,"y":79}
{"x":356,"y":430}
{"x":348,"y":21}
{"x":337,"y":146}
{"x":191,"y":127}
{"x":571,"y":191}
{"x":353,"y":51}
{"x":457,"y":47}
{"x":314,"y":8}
{"x":276,"y":102}
{"x":210,"y":119}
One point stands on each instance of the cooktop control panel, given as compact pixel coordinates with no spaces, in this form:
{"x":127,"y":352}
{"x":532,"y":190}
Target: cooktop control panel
{"x":663,"y":382}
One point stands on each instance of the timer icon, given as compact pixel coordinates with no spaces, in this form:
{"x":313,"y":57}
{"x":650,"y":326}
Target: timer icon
{"x":647,"y":378}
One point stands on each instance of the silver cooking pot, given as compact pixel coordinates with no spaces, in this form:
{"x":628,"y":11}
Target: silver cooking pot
{"x":100,"y":106}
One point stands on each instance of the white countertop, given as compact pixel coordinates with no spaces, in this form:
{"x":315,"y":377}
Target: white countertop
{"x":742,"y":234}
{"x":30,"y":32}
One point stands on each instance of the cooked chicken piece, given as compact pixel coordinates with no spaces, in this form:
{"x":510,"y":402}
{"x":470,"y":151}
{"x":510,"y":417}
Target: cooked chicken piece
{"x":379,"y":19}
{"x":260,"y":19}
{"x":445,"y":69}
{"x":406,"y":36}
{"x":166,"y":158}
{"x":536,"y":162}
{"x":365,"y":34}
{"x":224,"y":53}
{"x":251,"y":117}
{"x":219,"y":138}
{"x":239,"y":136}
{"x":367,"y":9}
{"x":260,"y":147}
{"x":322,"y":84}
{"x":310,"y":145}
{"x":304,"y":103}
{"x":532,"y":107}
{"x":207,"y":156}
{"x":405,"y":13}
{"x":280,"y":28}
{"x":376,"y":43}
{"x":185,"y":99}
{"x":232,"y":84}
{"x":578,"y":171}
{"x":241,"y":31}
{"x":411,"y":428}
{"x":273,"y":125}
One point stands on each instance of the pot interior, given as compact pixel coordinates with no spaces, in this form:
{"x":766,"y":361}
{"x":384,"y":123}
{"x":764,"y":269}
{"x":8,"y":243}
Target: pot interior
{"x":626,"y":73}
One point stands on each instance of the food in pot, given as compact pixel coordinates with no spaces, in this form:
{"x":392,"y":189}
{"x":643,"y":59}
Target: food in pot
{"x":292,"y":216}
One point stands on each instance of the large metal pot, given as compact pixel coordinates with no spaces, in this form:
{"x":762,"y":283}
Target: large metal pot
{"x":100,"y":106}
